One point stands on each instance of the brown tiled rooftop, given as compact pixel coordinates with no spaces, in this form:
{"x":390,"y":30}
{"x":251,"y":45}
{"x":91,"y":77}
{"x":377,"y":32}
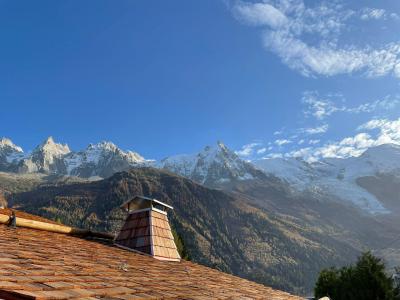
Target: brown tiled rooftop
{"x":38,"y":264}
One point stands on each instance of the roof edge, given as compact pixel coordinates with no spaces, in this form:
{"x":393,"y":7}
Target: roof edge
{"x":56,"y":228}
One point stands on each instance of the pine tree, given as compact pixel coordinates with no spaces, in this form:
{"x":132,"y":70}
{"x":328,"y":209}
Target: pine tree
{"x":366,"y":280}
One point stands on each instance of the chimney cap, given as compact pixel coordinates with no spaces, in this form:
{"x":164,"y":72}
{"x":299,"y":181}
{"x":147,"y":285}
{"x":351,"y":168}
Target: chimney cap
{"x":140,"y":199}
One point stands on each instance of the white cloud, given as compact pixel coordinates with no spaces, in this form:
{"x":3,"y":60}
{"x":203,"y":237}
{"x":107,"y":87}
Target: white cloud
{"x":318,"y":107}
{"x":368,"y":13}
{"x":350,"y":146}
{"x":386,"y":103}
{"x":260,"y":14}
{"x":281,"y":142}
{"x":286,"y":24}
{"x":261,"y":151}
{"x":328,"y":60}
{"x":370,"y":134}
{"x":247,"y":150}
{"x":322,"y":107}
{"x":274,"y":155}
{"x":315,"y":130}
{"x":372,"y":13}
{"x":374,"y":124}
{"x":387,"y":132}
{"x":305,"y":153}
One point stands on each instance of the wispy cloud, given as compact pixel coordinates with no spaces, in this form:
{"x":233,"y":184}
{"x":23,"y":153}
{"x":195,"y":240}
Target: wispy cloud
{"x":286,"y":23}
{"x":260,"y":14}
{"x":322,"y":107}
{"x":387,"y":132}
{"x":372,"y":13}
{"x":261,"y":151}
{"x":313,"y":142}
{"x":247,"y":150}
{"x":370,"y":134}
{"x":386,"y":104}
{"x":274,"y":155}
{"x":318,"y":107}
{"x":281,"y":142}
{"x":350,"y":146}
{"x":315,"y":130}
{"x":368,"y":13}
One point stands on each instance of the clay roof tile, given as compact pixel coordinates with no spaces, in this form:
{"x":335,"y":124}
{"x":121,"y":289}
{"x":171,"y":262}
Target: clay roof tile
{"x":39,"y":264}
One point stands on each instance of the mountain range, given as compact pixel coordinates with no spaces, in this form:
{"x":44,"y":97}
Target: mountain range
{"x":97,"y":160}
{"x":217,"y":166}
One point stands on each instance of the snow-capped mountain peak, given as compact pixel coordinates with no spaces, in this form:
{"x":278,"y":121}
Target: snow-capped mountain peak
{"x":6,"y":143}
{"x":102,"y":159}
{"x":45,"y":158}
{"x":9,"y":153}
{"x":220,"y":149}
{"x":94,"y":152}
{"x":51,"y":148}
{"x":104,"y":145}
{"x":214,"y":164}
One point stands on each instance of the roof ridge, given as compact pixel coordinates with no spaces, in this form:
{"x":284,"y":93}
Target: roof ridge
{"x":35,"y":222}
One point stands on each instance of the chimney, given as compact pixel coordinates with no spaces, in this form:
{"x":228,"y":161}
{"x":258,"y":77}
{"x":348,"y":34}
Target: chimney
{"x":147,"y":229}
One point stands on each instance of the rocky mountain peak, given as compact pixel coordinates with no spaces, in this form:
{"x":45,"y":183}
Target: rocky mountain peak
{"x":211,"y":166}
{"x":7,"y":144}
{"x":49,"y":140}
{"x":101,"y":160}
{"x":50,"y":147}
{"x":104,"y":145}
{"x":106,"y":148}
{"x":46,"y":158}
{"x":217,"y":151}
{"x":9,"y":153}
{"x":222,"y":146}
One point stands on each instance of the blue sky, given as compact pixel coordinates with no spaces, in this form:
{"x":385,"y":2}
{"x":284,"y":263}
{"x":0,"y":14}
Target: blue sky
{"x":269,"y":78}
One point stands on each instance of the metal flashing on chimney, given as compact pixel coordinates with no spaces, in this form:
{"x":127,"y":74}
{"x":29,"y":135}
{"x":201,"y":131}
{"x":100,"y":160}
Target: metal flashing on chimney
{"x":147,"y":229}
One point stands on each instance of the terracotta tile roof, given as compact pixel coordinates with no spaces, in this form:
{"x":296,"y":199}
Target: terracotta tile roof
{"x":37,"y":264}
